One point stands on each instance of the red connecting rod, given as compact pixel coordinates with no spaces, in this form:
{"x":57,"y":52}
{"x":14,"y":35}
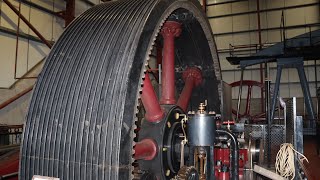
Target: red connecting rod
{"x":192,"y":78}
{"x":154,"y":113}
{"x":169,"y":31}
{"x":145,"y":150}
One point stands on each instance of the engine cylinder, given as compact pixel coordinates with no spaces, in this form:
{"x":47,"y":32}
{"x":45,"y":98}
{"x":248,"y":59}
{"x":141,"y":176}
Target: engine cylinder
{"x":201,"y":130}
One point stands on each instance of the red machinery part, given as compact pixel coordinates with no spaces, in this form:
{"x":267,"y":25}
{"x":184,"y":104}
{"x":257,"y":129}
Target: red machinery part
{"x":223,"y":176}
{"x":228,"y":122}
{"x":154,"y":113}
{"x":169,"y":31}
{"x":192,"y":78}
{"x":222,"y":159}
{"x":145,"y":149}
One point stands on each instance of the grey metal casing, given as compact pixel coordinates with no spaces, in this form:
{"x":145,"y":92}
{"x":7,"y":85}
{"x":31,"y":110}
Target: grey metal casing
{"x":201,"y":130}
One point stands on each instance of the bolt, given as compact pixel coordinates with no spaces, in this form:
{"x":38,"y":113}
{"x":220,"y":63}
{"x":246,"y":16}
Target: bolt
{"x":212,"y":112}
{"x":176,"y":115}
{"x":168,"y":172}
{"x":169,"y":124}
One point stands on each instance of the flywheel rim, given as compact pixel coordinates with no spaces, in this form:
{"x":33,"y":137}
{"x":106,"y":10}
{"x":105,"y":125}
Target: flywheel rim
{"x":47,"y":132}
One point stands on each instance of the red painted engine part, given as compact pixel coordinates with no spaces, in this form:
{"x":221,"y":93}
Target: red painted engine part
{"x":169,"y":31}
{"x":145,"y":149}
{"x":154,"y":113}
{"x":223,"y":176}
{"x":192,"y":77}
{"x":222,"y":163}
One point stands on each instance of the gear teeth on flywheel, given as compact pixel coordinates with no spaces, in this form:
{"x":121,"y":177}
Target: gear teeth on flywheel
{"x":142,"y":75}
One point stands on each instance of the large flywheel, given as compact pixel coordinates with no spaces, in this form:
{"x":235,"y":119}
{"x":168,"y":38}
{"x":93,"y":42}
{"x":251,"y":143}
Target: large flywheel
{"x":99,"y":111}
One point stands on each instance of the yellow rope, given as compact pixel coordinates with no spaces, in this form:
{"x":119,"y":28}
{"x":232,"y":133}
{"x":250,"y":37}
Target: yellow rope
{"x":285,"y":160}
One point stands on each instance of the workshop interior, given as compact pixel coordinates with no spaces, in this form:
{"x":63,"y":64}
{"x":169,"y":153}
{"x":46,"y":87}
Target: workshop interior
{"x":159,"y":89}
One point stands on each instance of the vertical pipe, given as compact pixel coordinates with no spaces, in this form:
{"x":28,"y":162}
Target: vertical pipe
{"x":316,"y":74}
{"x":283,"y":31}
{"x":17,"y":42}
{"x":260,"y":47}
{"x":154,"y":113}
{"x":240,"y":94}
{"x":316,"y":82}
{"x":159,"y":52}
{"x":268,"y":118}
{"x":169,"y":31}
{"x":248,"y":100}
{"x":211,"y":162}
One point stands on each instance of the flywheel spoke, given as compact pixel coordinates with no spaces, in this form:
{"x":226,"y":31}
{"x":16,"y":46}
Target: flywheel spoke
{"x":154,"y":113}
{"x":192,"y":78}
{"x":169,"y":31}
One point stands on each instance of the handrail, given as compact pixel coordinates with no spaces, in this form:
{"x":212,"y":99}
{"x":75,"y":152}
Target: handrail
{"x":14,"y":98}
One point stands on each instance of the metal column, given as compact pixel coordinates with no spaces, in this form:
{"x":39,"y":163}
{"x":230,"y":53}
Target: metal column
{"x":239,"y":95}
{"x":276,"y":90}
{"x":298,"y":64}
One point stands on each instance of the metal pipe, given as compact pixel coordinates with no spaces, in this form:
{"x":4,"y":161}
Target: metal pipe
{"x":9,"y":101}
{"x":260,"y":48}
{"x":192,"y":78}
{"x":211,"y":163}
{"x":28,"y":23}
{"x":169,"y":31}
{"x":259,"y":24}
{"x":17,"y":43}
{"x":248,"y":101}
{"x":267,"y":106}
{"x":154,"y":113}
{"x":234,"y":159}
{"x":145,"y":149}
{"x":283,"y":29}
{"x":239,"y":95}
{"x":316,"y":74}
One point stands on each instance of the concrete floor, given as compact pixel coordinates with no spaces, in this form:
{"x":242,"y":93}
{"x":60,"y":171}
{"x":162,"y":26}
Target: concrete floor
{"x":314,"y":160}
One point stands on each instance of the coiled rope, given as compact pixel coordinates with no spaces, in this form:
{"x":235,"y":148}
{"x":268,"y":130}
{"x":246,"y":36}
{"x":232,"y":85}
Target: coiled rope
{"x":285,"y":160}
